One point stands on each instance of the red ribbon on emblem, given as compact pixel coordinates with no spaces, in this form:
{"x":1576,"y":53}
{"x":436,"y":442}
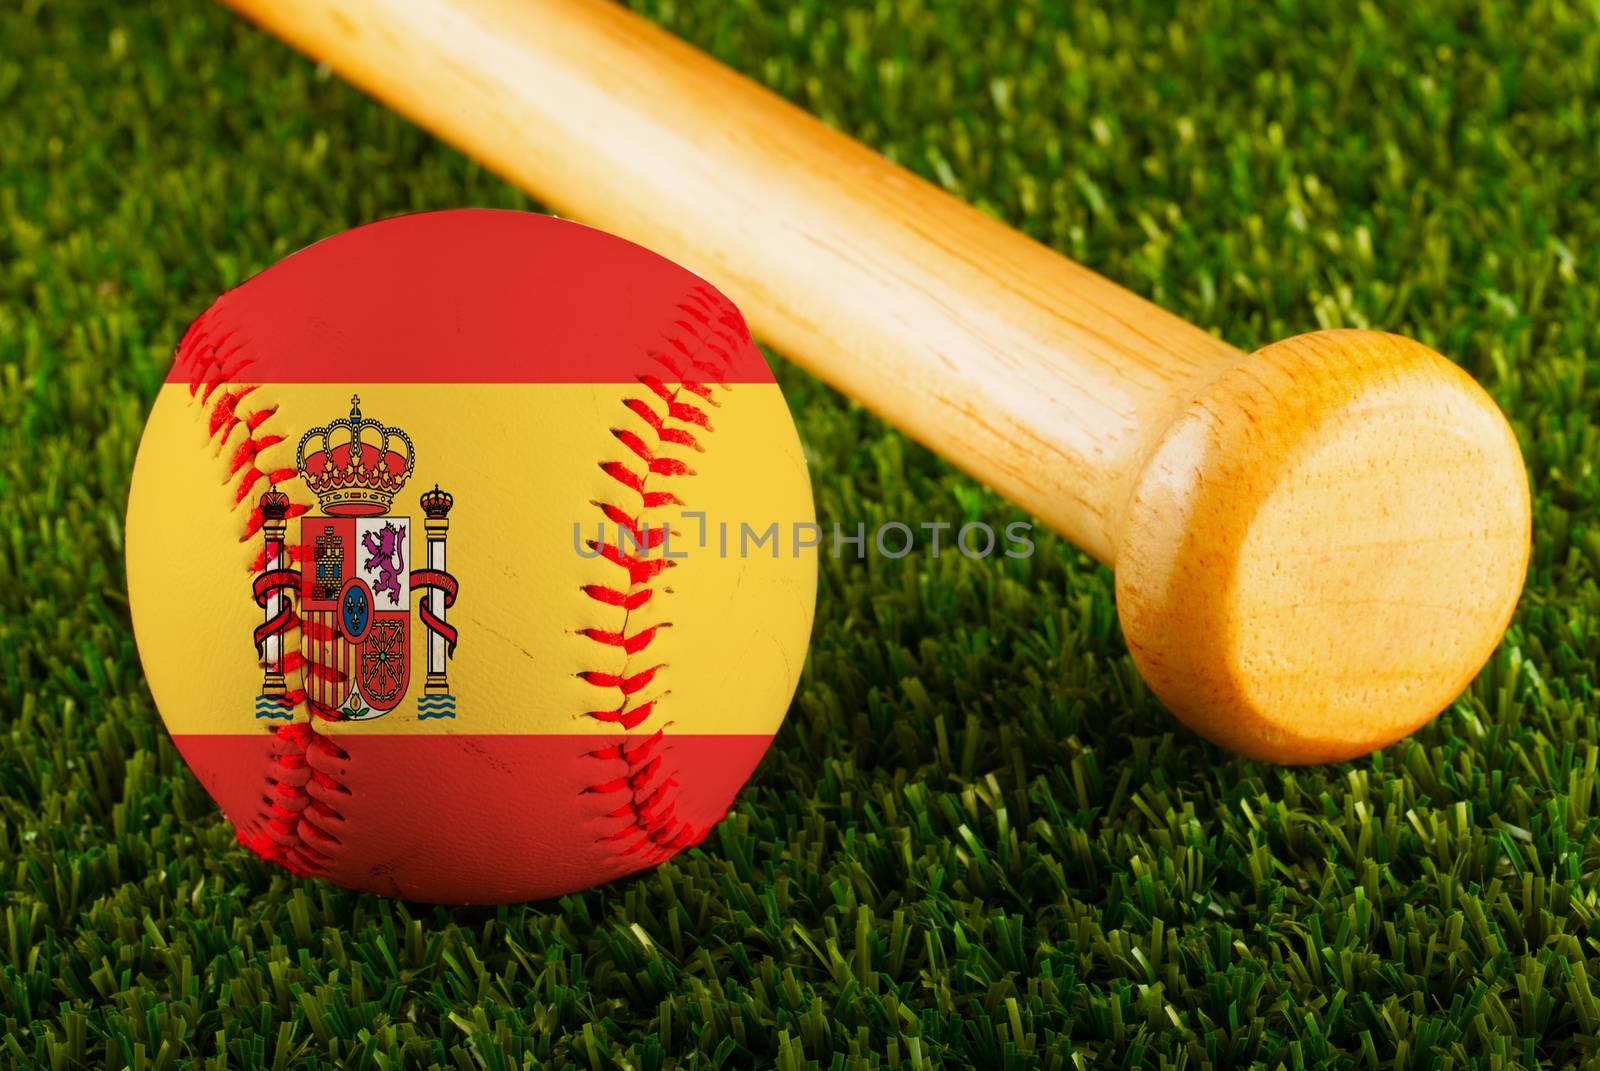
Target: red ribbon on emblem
{"x":431,"y":580}
{"x":265,"y":585}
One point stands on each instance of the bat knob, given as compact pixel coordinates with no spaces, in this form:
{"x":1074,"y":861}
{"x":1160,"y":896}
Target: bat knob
{"x":1325,"y":547}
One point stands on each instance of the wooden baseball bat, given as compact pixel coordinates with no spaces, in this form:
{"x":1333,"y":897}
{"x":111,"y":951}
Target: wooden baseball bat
{"x":1316,"y":545}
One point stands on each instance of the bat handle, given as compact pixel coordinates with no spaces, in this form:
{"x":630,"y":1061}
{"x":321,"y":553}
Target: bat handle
{"x":1025,"y":369}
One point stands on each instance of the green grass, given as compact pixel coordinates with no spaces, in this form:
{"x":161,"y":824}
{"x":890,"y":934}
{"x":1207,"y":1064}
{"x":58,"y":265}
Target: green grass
{"x":978,"y":841}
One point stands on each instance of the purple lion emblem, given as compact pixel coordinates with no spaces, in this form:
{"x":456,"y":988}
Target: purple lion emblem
{"x":387,"y":557}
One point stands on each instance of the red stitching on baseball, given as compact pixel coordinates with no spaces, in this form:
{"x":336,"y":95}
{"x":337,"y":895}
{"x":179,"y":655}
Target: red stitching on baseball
{"x":640,"y":570}
{"x":614,"y":597}
{"x":630,"y":644}
{"x":677,"y":436}
{"x":624,"y":716}
{"x":644,"y":538}
{"x":295,"y":828}
{"x":647,"y":802}
{"x":702,"y":350}
{"x":292,"y":818}
{"x":626,"y":683}
{"x":710,"y":314}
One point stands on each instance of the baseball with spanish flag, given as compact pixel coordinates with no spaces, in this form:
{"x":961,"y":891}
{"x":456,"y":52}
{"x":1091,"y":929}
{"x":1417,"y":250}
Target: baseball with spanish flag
{"x":440,"y":557}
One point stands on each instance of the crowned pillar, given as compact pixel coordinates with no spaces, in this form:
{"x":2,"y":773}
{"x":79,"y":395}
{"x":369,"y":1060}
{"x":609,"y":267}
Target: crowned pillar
{"x":274,"y":513}
{"x":436,"y":511}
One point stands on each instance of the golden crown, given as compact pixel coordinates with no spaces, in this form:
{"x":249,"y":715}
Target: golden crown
{"x":359,"y":466}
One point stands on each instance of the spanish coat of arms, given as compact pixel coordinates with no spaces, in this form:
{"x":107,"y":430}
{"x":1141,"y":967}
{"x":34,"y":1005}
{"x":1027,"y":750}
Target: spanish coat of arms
{"x":356,"y":583}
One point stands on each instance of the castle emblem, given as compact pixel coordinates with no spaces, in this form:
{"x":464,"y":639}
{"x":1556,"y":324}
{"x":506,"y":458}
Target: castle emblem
{"x":352,"y":593}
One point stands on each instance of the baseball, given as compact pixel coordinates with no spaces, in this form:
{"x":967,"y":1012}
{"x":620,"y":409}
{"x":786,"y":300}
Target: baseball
{"x":424,"y":559}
